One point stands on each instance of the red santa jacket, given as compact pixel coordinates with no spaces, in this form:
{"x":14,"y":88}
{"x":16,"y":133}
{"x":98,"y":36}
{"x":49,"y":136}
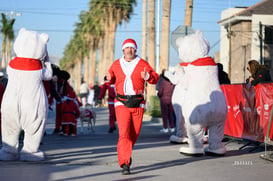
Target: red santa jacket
{"x":118,"y":76}
{"x":70,"y":112}
{"x":111,"y":92}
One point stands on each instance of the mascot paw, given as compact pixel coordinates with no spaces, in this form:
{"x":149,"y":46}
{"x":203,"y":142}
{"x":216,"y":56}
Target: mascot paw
{"x":32,"y":157}
{"x":215,"y":152}
{"x":178,"y":140}
{"x":168,"y":74}
{"x":191,"y":151}
{"x":7,"y":156}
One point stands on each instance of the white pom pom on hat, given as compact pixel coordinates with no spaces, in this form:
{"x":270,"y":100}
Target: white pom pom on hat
{"x":129,"y":43}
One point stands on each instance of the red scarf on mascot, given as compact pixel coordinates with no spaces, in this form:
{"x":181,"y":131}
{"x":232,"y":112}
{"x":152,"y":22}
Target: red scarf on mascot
{"x":207,"y":61}
{"x":20,"y":63}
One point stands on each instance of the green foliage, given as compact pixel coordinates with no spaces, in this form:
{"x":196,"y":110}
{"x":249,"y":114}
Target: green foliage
{"x":154,"y":106}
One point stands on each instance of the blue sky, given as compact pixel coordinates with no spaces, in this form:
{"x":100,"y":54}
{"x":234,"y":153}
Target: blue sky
{"x":57,"y":18}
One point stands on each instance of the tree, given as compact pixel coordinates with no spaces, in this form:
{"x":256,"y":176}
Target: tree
{"x":165,"y":35}
{"x":151,"y":43}
{"x":8,"y":37}
{"x":144,"y":30}
{"x":73,"y":56}
{"x":113,"y":13}
{"x":96,"y":30}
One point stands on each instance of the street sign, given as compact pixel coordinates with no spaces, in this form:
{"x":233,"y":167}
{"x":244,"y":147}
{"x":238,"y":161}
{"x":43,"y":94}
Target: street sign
{"x":180,"y":31}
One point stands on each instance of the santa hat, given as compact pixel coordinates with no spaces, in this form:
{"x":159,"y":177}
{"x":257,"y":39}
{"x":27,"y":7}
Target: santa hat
{"x":129,"y":43}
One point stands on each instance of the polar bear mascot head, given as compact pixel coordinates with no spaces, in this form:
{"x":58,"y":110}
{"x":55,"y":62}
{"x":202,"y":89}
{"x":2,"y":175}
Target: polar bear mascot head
{"x":31,"y":44}
{"x":193,"y":47}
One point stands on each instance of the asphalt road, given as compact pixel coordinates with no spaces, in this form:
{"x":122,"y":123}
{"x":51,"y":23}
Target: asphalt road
{"x":93,"y":156}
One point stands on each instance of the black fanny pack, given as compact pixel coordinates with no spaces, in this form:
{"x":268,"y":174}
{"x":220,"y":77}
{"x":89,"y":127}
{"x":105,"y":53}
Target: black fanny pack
{"x":130,"y":101}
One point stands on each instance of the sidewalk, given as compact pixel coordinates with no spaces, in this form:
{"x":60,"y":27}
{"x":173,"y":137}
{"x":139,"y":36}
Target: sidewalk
{"x":92,"y":156}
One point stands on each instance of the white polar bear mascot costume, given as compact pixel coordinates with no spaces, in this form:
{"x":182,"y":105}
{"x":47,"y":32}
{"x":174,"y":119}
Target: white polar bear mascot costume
{"x":177,"y":78}
{"x":202,"y":101}
{"x":24,"y":105}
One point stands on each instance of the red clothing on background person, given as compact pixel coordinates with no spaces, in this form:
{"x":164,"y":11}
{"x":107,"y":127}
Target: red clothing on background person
{"x":63,"y":88}
{"x":111,"y":107}
{"x":70,"y":112}
{"x":48,"y":89}
{"x":70,"y":93}
{"x":129,"y":75}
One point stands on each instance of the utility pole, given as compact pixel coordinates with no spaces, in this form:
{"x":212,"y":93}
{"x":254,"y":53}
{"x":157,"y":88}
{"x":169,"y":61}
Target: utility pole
{"x":261,"y":43}
{"x":229,"y":50}
{"x":157,"y":37}
{"x":188,"y":13}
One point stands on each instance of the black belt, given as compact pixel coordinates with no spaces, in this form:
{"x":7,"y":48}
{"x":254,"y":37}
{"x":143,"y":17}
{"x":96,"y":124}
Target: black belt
{"x":129,"y":96}
{"x":130,"y":101}
{"x":68,"y":112}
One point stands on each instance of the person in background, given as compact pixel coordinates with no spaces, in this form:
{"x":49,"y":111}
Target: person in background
{"x":222,"y":75}
{"x":129,"y":74}
{"x":258,"y":73}
{"x":3,"y":84}
{"x":165,"y":91}
{"x":70,"y":112}
{"x":90,"y":97}
{"x":50,"y":87}
{"x":96,"y":89}
{"x":3,"y":80}
{"x":84,"y":90}
{"x":63,"y":89}
{"x":111,"y":97}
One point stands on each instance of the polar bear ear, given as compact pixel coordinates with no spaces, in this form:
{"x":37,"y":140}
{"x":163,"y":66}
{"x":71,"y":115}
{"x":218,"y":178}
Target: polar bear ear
{"x":22,"y":30}
{"x":44,"y":37}
{"x":204,"y":45}
{"x":199,"y":33}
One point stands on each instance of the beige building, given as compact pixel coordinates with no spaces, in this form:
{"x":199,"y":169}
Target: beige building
{"x":246,"y":33}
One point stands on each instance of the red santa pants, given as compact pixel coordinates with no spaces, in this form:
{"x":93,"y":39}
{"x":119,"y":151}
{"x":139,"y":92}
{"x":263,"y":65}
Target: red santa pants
{"x":112,"y":114}
{"x":69,"y":129}
{"x":58,"y":119}
{"x":129,"y":124}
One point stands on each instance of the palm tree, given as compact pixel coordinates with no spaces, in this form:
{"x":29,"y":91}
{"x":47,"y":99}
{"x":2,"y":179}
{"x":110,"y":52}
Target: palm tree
{"x":144,"y":29}
{"x":94,"y":42}
{"x":165,"y":35}
{"x":96,"y":29}
{"x":151,"y":43}
{"x":113,"y":13}
{"x":8,"y":37}
{"x":73,"y":56}
{"x":85,"y":40}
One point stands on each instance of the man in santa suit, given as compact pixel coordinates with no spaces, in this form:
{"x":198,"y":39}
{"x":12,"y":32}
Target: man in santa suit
{"x":129,"y":74}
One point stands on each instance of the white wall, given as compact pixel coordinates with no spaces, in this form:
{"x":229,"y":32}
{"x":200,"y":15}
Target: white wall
{"x":224,"y":44}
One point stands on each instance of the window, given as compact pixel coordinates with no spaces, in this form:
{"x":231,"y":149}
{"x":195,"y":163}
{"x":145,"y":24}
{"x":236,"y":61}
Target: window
{"x":268,"y":34}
